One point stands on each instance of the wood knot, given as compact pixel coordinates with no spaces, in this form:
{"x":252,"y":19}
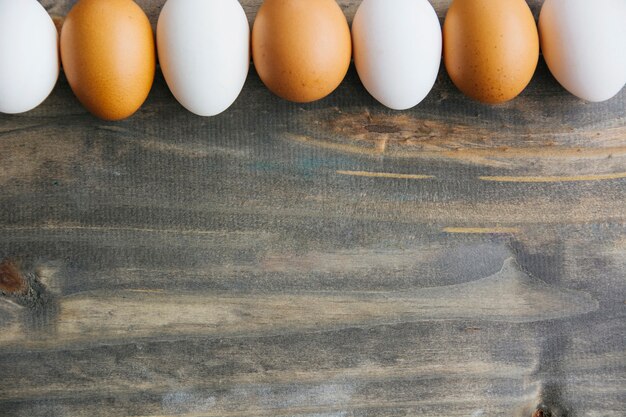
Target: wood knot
{"x":541,"y":412}
{"x":11,"y":279}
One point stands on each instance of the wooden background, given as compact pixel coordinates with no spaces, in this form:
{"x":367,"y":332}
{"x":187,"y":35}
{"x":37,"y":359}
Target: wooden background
{"x":323,"y":260}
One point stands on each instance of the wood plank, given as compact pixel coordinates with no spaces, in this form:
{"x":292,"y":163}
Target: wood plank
{"x":509,"y":295}
{"x":237,"y":266}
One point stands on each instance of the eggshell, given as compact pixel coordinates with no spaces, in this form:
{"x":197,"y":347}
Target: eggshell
{"x":29,"y":56}
{"x":301,"y":48}
{"x":584,"y":45}
{"x":491,"y":48}
{"x":109,"y":57}
{"x":204,"y":52}
{"x":397,"y":50}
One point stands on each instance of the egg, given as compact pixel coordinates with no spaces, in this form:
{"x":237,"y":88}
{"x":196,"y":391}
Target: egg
{"x":109,"y":57}
{"x":397,"y":50}
{"x":301,"y":48}
{"x":584,"y":45}
{"x":491,"y":48}
{"x":29,"y":56}
{"x":204,"y":52}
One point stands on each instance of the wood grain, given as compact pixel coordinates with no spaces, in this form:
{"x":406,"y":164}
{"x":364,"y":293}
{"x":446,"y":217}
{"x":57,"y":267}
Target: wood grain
{"x":509,"y":296}
{"x":329,"y":259}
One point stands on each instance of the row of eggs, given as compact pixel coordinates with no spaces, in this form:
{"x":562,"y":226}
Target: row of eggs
{"x":302,"y":50}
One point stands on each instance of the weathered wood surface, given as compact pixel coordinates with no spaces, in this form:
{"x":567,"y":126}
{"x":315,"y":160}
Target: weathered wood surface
{"x":331,"y":259}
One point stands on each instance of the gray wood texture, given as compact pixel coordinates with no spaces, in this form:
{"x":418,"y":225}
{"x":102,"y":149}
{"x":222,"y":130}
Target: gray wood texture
{"x":330,"y":259}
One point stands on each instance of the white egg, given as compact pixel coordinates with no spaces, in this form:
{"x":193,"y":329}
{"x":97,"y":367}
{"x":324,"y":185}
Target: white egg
{"x":29,"y":55}
{"x":204,"y":52}
{"x":397,"y":50}
{"x":584,"y":44}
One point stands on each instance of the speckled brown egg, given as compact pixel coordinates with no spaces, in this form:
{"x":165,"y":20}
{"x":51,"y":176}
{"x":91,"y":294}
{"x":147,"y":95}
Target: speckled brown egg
{"x":491,"y":48}
{"x":108,"y":55}
{"x":301,"y":48}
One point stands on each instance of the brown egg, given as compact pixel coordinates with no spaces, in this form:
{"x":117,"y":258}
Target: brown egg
{"x":491,"y":48}
{"x":301,"y":48}
{"x":108,"y":55}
